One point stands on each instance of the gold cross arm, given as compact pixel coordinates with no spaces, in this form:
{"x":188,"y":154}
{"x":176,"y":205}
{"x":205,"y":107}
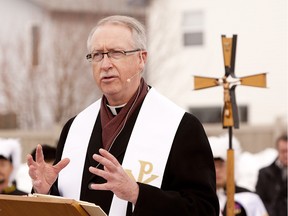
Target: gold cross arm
{"x":256,"y":80}
{"x":229,"y":82}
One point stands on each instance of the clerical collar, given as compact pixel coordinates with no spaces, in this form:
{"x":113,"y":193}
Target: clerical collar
{"x":115,"y":109}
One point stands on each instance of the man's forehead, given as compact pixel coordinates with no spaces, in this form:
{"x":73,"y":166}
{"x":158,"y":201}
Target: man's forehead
{"x":112,"y":31}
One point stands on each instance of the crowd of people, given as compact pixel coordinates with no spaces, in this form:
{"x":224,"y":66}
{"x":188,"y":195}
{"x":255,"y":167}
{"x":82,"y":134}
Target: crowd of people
{"x":134,"y":152}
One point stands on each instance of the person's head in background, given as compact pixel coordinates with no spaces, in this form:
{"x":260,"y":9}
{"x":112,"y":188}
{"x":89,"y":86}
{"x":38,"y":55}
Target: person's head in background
{"x":49,"y":153}
{"x":219,"y":146}
{"x":282,"y":148}
{"x":10,"y":159}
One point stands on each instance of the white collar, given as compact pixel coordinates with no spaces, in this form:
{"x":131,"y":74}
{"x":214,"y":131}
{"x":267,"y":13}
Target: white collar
{"x":113,"y":108}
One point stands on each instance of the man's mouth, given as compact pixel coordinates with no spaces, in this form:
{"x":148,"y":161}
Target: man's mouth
{"x":108,"y":78}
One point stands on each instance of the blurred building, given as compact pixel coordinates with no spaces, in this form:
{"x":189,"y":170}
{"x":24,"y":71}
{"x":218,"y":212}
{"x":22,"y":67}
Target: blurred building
{"x":185,"y":40}
{"x":45,"y":77}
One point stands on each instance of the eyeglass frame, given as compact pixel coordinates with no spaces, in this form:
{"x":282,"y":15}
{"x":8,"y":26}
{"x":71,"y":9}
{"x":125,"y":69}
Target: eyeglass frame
{"x":89,"y":56}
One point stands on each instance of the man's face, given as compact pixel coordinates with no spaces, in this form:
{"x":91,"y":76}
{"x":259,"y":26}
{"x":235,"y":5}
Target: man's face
{"x":220,"y":167}
{"x":282,"y":151}
{"x":111,"y":74}
{"x":6,"y":169}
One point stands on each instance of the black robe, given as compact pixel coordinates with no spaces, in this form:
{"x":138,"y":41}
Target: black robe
{"x":188,"y":186}
{"x":272,"y":189}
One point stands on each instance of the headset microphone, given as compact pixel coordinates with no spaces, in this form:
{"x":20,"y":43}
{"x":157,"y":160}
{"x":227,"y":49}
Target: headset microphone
{"x":129,"y":79}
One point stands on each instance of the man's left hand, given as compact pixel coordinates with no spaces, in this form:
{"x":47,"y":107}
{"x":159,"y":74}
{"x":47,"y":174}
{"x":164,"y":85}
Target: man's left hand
{"x":118,"y":180}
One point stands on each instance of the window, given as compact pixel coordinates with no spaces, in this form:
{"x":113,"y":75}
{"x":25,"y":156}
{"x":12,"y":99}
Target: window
{"x":193,"y":25}
{"x":214,"y":114}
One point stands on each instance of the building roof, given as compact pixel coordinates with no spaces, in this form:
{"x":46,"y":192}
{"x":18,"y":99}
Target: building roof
{"x":94,"y":6}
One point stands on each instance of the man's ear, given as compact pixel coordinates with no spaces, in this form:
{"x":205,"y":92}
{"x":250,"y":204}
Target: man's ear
{"x":143,"y":56}
{"x":142,"y":59}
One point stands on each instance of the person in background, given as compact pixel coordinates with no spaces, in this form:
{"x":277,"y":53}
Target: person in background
{"x":247,"y":203}
{"x":272,"y":181}
{"x":10,"y":158}
{"x":132,"y":152}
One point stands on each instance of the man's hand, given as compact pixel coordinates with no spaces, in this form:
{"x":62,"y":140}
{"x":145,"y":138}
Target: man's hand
{"x":117,"y":179}
{"x":43,"y":175}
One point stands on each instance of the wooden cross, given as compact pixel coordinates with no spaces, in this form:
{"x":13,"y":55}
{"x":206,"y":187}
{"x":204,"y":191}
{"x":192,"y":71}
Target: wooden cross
{"x":230,"y":117}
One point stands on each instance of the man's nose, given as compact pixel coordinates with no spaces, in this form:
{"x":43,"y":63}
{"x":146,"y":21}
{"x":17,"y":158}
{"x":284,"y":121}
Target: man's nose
{"x":106,"y":62}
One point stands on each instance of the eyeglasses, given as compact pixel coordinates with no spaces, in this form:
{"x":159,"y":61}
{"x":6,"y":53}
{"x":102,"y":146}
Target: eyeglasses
{"x":114,"y":54}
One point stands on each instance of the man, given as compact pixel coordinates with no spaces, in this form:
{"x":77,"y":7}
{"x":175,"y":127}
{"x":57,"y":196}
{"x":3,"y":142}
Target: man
{"x":133,"y":152}
{"x":246,"y":202}
{"x":10,"y":158}
{"x":272,"y":181}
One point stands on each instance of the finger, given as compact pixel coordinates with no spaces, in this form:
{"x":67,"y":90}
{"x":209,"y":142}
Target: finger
{"x":30,"y":160}
{"x":61,"y":164}
{"x":105,"y":162}
{"x":103,"y":186}
{"x":32,"y":172}
{"x":99,"y":172}
{"x":39,"y":157}
{"x":109,"y":156}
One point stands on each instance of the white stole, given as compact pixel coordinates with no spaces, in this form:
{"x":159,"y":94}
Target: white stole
{"x":154,"y":131}
{"x":70,"y":178}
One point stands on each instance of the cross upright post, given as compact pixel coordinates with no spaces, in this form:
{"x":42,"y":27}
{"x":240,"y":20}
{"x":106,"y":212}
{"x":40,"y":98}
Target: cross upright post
{"x":230,"y":117}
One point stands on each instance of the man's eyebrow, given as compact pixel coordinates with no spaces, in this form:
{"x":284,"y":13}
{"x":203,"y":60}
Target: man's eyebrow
{"x":107,"y":50}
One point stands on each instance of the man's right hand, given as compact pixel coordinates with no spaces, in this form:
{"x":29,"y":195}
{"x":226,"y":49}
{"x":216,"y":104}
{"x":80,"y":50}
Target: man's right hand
{"x":43,"y":175}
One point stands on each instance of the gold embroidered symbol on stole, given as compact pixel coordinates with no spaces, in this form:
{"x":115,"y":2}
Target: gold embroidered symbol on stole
{"x":146,"y":168}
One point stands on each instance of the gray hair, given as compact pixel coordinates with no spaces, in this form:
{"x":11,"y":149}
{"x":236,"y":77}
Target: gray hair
{"x":137,"y":29}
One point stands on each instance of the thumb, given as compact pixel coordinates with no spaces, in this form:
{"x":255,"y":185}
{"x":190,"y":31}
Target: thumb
{"x":61,"y":164}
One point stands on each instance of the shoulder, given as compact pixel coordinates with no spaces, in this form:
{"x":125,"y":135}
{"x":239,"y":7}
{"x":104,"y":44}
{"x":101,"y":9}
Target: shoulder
{"x":62,"y":139}
{"x":191,"y":135}
{"x":269,"y":170}
{"x":190,"y":121}
{"x":66,"y":127}
{"x":191,"y":127}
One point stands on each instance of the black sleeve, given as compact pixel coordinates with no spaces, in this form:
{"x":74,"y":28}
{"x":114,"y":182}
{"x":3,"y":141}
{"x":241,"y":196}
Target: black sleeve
{"x":189,"y":185}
